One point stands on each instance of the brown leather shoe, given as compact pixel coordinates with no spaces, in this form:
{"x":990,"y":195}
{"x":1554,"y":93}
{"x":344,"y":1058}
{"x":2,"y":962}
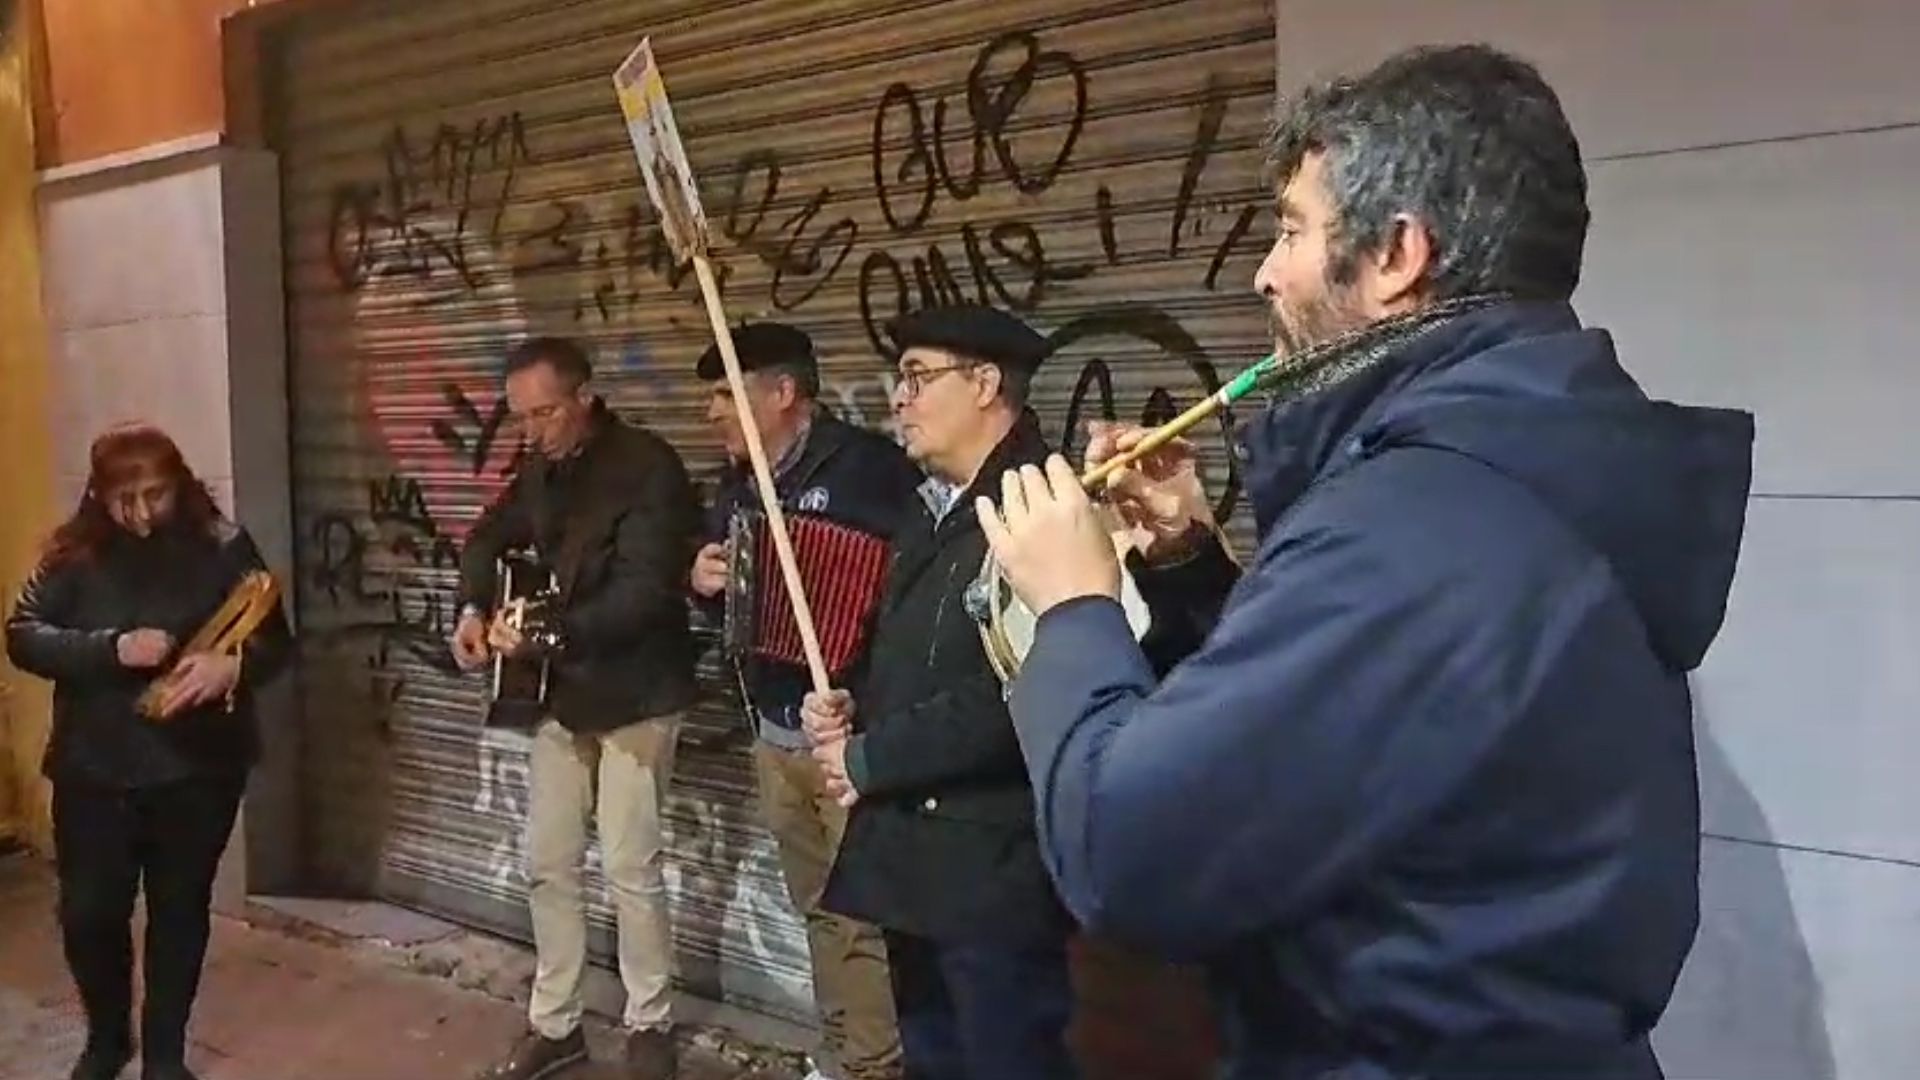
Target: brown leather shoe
{"x":536,"y":1057}
{"x":652,"y":1055}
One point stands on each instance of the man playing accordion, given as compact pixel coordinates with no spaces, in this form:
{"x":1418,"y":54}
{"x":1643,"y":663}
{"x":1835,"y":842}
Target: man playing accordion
{"x":843,"y":490}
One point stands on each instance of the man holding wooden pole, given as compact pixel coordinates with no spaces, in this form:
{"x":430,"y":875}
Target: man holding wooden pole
{"x":941,"y":848}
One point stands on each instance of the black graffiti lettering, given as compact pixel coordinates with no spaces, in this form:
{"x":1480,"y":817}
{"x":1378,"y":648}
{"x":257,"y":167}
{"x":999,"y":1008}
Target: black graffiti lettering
{"x":1103,"y":206}
{"x":1141,"y":322}
{"x":876,"y":265}
{"x":994,"y":109}
{"x":1020,"y":245}
{"x":400,"y":501}
{"x":967,"y":188}
{"x":918,"y":160}
{"x":349,"y":244}
{"x":415,"y":246}
{"x":1212,"y":115}
{"x":1160,"y":407}
{"x":414,"y":615}
{"x":1008,"y":266}
{"x":911,"y":167}
{"x":342,"y":564}
{"x":513,"y":132}
{"x":811,"y":264}
{"x":602,"y":297}
{"x":555,"y":248}
{"x":1241,"y":224}
{"x":404,"y":199}
{"x":777,"y":256}
{"x":413,"y":222}
{"x":1094,"y":376}
{"x":983,"y":276}
{"x":937,"y":285}
{"x":646,"y":249}
{"x":444,"y":174}
{"x":422,"y":637}
{"x":424,"y":621}
{"x":485,"y":429}
{"x":758,"y":162}
{"x":419,"y":248}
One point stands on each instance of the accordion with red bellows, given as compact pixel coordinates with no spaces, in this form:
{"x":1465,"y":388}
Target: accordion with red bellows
{"x":842,"y":569}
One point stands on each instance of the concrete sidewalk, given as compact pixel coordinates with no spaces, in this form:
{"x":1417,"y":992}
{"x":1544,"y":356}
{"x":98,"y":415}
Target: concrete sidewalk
{"x":287,"y":1001}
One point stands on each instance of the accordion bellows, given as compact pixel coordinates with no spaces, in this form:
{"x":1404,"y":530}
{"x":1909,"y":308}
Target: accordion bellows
{"x":842,"y":569}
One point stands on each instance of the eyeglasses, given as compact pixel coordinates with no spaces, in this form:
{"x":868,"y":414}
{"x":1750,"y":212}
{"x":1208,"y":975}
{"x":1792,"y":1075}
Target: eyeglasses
{"x":912,"y":382}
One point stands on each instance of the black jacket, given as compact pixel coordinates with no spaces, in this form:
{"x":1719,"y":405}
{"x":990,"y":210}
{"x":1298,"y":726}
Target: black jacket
{"x":617,"y":522}
{"x":65,"y":628}
{"x":844,"y":474}
{"x":942,"y":842}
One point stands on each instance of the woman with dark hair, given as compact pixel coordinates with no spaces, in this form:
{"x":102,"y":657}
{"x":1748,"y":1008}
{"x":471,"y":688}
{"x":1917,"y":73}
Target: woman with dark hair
{"x":137,"y":802}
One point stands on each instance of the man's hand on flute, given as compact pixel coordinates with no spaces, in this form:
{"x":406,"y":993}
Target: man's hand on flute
{"x":1048,"y":537}
{"x":1159,"y":496}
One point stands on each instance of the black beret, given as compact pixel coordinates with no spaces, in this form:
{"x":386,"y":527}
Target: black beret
{"x":973,"y":331}
{"x":762,"y":345}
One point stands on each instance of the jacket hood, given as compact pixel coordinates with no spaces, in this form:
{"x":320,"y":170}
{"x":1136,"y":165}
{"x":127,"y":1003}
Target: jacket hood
{"x":1658,"y":489}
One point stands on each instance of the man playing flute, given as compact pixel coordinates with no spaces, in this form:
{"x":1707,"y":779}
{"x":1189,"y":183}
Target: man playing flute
{"x":1424,"y":799}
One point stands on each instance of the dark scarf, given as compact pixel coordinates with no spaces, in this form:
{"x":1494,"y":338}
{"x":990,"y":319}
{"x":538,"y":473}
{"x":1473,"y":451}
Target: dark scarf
{"x":1340,"y":358}
{"x":157,"y":553}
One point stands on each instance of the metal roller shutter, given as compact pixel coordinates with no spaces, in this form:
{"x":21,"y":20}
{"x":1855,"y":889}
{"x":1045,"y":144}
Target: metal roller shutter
{"x":457,"y":175}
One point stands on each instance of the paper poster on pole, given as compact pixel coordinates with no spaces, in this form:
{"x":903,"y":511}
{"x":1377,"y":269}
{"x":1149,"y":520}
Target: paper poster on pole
{"x":662,"y":157}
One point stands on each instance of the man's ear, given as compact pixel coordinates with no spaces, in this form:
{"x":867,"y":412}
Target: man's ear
{"x":986,"y":382}
{"x":1400,"y":266}
{"x":786,"y":391}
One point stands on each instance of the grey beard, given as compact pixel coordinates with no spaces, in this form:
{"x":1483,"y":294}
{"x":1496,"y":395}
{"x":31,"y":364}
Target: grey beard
{"x":1338,"y":358}
{"x":1284,"y":341}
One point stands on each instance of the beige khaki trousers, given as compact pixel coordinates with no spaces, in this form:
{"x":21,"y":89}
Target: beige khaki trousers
{"x":860,"y":1038}
{"x":618,"y":781}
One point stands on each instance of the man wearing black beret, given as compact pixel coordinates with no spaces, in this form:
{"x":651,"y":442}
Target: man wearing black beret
{"x":823,"y":468}
{"x":940,"y":847}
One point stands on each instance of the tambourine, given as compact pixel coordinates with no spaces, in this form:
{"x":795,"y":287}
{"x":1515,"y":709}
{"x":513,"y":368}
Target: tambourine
{"x":1007,"y":624}
{"x":248,"y":605}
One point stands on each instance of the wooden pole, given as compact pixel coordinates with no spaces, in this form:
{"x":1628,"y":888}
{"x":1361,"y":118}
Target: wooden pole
{"x":763,"y":477}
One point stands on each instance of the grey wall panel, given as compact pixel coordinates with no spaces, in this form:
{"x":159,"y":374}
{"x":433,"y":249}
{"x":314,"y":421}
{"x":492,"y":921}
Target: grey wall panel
{"x":1806,"y":968}
{"x":1644,"y":76}
{"x":1811,"y":691}
{"x":1773,"y":278}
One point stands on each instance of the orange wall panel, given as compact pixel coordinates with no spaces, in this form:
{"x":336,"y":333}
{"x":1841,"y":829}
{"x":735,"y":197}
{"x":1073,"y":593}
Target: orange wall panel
{"x":129,"y":73}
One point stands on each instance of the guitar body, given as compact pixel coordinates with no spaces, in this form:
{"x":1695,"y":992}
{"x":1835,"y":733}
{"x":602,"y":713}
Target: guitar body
{"x":528,"y":594}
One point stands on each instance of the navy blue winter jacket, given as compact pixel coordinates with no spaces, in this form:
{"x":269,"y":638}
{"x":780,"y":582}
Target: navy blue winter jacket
{"x":845,"y":474}
{"x":1424,"y":800}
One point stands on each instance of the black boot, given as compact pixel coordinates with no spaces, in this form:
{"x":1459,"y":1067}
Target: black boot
{"x":172,"y":1070}
{"x":103,"y":1059}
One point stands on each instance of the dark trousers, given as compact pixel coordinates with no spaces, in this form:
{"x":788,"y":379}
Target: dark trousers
{"x":981,"y":1012}
{"x":110,"y":842}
